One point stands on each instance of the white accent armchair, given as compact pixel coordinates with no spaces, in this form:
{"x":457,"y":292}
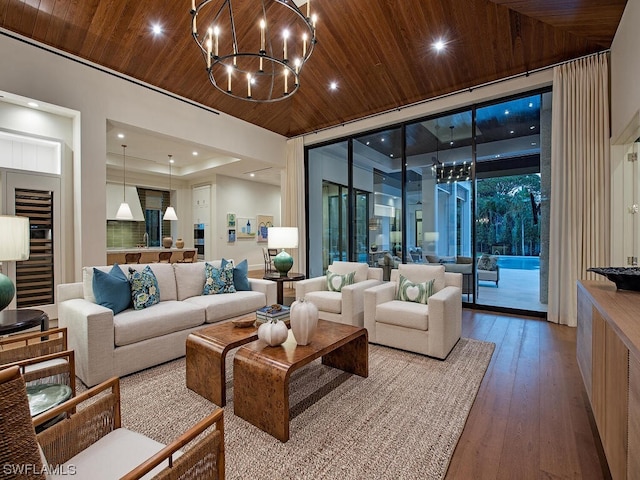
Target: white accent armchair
{"x":431,"y":329}
{"x":346,"y":306}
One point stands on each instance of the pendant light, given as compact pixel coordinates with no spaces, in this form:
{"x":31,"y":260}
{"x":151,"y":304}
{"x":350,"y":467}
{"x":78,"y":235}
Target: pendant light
{"x":170,"y":213}
{"x":124,"y":212}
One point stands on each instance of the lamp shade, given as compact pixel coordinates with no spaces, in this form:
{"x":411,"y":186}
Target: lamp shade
{"x":14,"y":238}
{"x":283,"y":237}
{"x":14,"y":246}
{"x":124,"y":212}
{"x":170,"y":214}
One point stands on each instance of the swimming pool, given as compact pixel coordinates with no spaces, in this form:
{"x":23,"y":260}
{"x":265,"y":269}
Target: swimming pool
{"x":519,"y":263}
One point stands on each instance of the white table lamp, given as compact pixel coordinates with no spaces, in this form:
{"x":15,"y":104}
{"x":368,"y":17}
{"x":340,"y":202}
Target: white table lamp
{"x":283,"y":237}
{"x":14,"y":246}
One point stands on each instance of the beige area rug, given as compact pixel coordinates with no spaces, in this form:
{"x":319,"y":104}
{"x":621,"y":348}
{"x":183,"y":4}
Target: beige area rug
{"x":403,"y":421}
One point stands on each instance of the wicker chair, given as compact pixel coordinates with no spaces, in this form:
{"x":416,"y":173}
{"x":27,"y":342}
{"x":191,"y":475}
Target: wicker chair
{"x":41,"y":356}
{"x":92,"y":440}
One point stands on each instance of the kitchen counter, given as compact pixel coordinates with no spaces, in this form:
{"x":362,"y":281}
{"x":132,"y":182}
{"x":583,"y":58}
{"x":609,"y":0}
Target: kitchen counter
{"x":149,"y":255}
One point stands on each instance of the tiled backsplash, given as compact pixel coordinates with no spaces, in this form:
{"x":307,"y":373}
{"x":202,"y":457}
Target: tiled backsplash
{"x":126,"y":234}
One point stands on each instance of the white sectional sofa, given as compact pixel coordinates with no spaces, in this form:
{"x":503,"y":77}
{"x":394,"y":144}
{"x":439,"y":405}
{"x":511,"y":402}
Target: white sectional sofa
{"x":109,"y":345}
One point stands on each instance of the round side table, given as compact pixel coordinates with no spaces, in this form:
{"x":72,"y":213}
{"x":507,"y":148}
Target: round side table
{"x":12,"y":321}
{"x":275,"y":277}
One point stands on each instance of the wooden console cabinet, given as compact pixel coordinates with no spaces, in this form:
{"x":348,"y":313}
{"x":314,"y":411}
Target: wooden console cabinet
{"x":608,"y":352}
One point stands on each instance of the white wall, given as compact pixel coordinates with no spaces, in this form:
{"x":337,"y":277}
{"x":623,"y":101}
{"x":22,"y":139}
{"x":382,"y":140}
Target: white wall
{"x":46,"y":77}
{"x":245,"y":199}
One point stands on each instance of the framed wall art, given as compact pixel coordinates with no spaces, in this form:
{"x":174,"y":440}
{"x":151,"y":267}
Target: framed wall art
{"x":264,"y":222}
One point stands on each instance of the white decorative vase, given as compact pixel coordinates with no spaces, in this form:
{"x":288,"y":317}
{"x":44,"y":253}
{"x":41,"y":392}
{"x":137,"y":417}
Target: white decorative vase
{"x":273,"y":332}
{"x":304,"y":321}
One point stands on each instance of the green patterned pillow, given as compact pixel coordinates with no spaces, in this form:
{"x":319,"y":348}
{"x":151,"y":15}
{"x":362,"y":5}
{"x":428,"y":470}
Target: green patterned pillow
{"x":144,"y":288}
{"x":218,"y":280}
{"x":414,"y":292}
{"x":335,"y":281}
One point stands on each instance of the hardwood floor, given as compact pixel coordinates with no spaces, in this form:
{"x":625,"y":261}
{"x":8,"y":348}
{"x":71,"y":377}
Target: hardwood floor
{"x":530,"y":418}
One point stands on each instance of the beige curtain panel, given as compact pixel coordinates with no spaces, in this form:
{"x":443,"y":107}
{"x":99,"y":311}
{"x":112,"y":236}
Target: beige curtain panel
{"x":293,"y":200}
{"x":580,"y":180}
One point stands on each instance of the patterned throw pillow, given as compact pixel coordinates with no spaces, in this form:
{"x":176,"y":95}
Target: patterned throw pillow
{"x":144,"y":288}
{"x":414,"y":292}
{"x":240,"y":275}
{"x":335,"y":281}
{"x":218,"y":280}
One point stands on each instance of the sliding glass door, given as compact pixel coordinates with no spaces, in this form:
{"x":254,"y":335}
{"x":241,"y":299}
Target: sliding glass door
{"x":467,"y":189}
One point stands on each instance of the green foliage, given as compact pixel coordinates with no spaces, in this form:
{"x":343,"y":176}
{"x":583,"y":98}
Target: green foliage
{"x":505,"y":216}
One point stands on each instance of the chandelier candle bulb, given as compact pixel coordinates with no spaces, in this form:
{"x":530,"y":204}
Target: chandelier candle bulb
{"x":308,"y":8}
{"x":285,"y":35}
{"x":193,"y":7}
{"x":216,"y":32}
{"x":229,"y":70}
{"x":286,"y":80}
{"x":304,"y":45}
{"x":209,"y":53}
{"x":248,"y":85}
{"x":263,"y":24}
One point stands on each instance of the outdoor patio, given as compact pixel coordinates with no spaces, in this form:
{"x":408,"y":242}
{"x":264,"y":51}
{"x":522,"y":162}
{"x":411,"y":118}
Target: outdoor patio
{"x":517,"y":288}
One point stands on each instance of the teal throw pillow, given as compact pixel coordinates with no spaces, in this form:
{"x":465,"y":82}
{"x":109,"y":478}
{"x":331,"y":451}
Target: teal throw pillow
{"x":414,"y":292}
{"x":112,"y":289}
{"x":218,"y":280}
{"x":240,"y":275}
{"x":335,"y":281}
{"x":144,"y":288}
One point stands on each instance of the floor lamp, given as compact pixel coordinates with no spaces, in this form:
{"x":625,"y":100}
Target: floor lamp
{"x":14,"y":246}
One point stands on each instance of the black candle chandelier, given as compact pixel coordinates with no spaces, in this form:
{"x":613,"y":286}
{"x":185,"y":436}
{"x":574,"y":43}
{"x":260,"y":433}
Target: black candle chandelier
{"x":254,"y":50}
{"x":452,"y":173}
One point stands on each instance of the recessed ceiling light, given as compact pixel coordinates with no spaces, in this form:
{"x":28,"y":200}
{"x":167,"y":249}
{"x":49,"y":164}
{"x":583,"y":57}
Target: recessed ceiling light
{"x":382,"y":139}
{"x":33,"y":104}
{"x":530,"y":104}
{"x":506,"y":112}
{"x":171,"y":160}
{"x":532,"y":127}
{"x":333,"y":86}
{"x":194,"y":153}
{"x":511,"y":132}
{"x":533,"y":144}
{"x":391,"y":155}
{"x":367,"y":143}
{"x":121,"y":135}
{"x":252,"y":174}
{"x":438,"y":45}
{"x":157,"y":29}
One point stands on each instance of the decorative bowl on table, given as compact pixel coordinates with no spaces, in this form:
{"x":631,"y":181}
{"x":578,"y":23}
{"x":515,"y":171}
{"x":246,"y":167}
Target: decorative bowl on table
{"x":243,"y":322}
{"x":625,"y":278}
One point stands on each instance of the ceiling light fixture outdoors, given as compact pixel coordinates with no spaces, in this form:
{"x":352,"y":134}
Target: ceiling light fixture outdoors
{"x":124,"y":211}
{"x":264,"y":64}
{"x":170,"y":213}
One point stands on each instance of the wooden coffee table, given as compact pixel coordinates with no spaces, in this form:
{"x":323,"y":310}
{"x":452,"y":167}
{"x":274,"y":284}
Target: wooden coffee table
{"x":206,"y":357}
{"x":261,"y":373}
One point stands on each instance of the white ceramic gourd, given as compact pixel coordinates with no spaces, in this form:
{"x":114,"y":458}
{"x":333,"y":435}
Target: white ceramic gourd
{"x":273,"y":332}
{"x":303,"y":320}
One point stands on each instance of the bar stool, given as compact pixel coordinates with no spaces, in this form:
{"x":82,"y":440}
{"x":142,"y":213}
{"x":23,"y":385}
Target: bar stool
{"x":132,"y":257}
{"x":164,"y":257}
{"x":187,"y":256}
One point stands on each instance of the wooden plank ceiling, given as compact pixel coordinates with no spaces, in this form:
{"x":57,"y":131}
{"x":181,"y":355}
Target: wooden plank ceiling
{"x":378,"y":51}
